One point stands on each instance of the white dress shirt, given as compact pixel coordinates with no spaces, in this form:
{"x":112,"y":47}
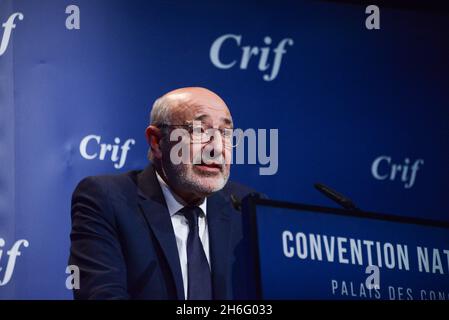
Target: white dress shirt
{"x":181,"y":227}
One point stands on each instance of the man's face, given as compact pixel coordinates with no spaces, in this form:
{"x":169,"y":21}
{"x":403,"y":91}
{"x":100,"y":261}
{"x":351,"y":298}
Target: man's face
{"x":208,"y":168}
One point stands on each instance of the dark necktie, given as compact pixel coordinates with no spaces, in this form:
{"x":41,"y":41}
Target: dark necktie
{"x":199,"y":276}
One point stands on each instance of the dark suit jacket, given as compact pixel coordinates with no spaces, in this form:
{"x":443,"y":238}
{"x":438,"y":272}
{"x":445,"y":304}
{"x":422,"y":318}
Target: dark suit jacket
{"x":123,"y":241}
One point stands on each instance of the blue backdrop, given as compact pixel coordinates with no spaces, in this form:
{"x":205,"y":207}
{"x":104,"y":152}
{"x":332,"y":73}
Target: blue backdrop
{"x":350,"y":104}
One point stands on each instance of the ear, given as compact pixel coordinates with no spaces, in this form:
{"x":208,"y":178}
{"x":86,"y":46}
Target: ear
{"x":153,"y":135}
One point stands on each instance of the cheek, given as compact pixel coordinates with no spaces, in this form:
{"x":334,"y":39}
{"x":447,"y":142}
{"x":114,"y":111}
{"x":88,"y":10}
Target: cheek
{"x":195,"y":150}
{"x":165,"y":150}
{"x":227,"y":153}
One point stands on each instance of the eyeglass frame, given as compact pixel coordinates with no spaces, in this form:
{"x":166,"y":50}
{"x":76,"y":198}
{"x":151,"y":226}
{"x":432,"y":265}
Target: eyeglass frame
{"x":191,"y":129}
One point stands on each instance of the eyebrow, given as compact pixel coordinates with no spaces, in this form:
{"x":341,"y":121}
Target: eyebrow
{"x":202,"y":117}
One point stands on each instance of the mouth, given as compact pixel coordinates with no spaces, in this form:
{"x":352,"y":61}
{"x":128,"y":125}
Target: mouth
{"x":209,"y":167}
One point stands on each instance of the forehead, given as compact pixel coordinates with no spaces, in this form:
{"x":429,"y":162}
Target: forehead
{"x":207,"y":109}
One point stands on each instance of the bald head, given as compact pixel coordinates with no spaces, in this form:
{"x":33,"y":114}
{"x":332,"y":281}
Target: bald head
{"x":186,"y":104}
{"x":192,"y":92}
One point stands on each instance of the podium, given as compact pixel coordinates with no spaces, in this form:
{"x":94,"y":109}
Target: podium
{"x":300,"y":251}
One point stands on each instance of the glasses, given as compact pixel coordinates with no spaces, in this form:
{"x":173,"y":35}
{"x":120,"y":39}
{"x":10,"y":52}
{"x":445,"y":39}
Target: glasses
{"x":201,"y":133}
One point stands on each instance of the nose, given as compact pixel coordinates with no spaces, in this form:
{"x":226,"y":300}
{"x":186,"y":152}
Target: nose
{"x":216,"y":144}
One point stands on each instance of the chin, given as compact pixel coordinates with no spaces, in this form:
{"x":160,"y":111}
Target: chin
{"x":207,"y":184}
{"x":200,"y":182}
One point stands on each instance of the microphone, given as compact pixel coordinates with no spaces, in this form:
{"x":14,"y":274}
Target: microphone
{"x":342,"y":200}
{"x":236,"y":203}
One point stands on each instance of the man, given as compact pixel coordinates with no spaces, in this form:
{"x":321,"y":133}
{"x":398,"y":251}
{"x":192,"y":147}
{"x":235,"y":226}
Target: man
{"x":170,"y":231}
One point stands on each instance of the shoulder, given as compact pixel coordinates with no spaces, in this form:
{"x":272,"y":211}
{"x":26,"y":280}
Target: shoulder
{"x":104,"y":185}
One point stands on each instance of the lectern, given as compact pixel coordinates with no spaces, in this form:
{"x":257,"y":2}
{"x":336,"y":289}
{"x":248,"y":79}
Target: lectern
{"x":302,"y":251}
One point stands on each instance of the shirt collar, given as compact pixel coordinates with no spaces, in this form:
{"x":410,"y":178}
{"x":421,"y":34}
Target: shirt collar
{"x":174,"y":202}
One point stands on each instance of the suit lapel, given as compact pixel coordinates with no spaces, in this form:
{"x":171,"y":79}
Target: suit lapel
{"x":219,"y":226}
{"x":152,"y":203}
